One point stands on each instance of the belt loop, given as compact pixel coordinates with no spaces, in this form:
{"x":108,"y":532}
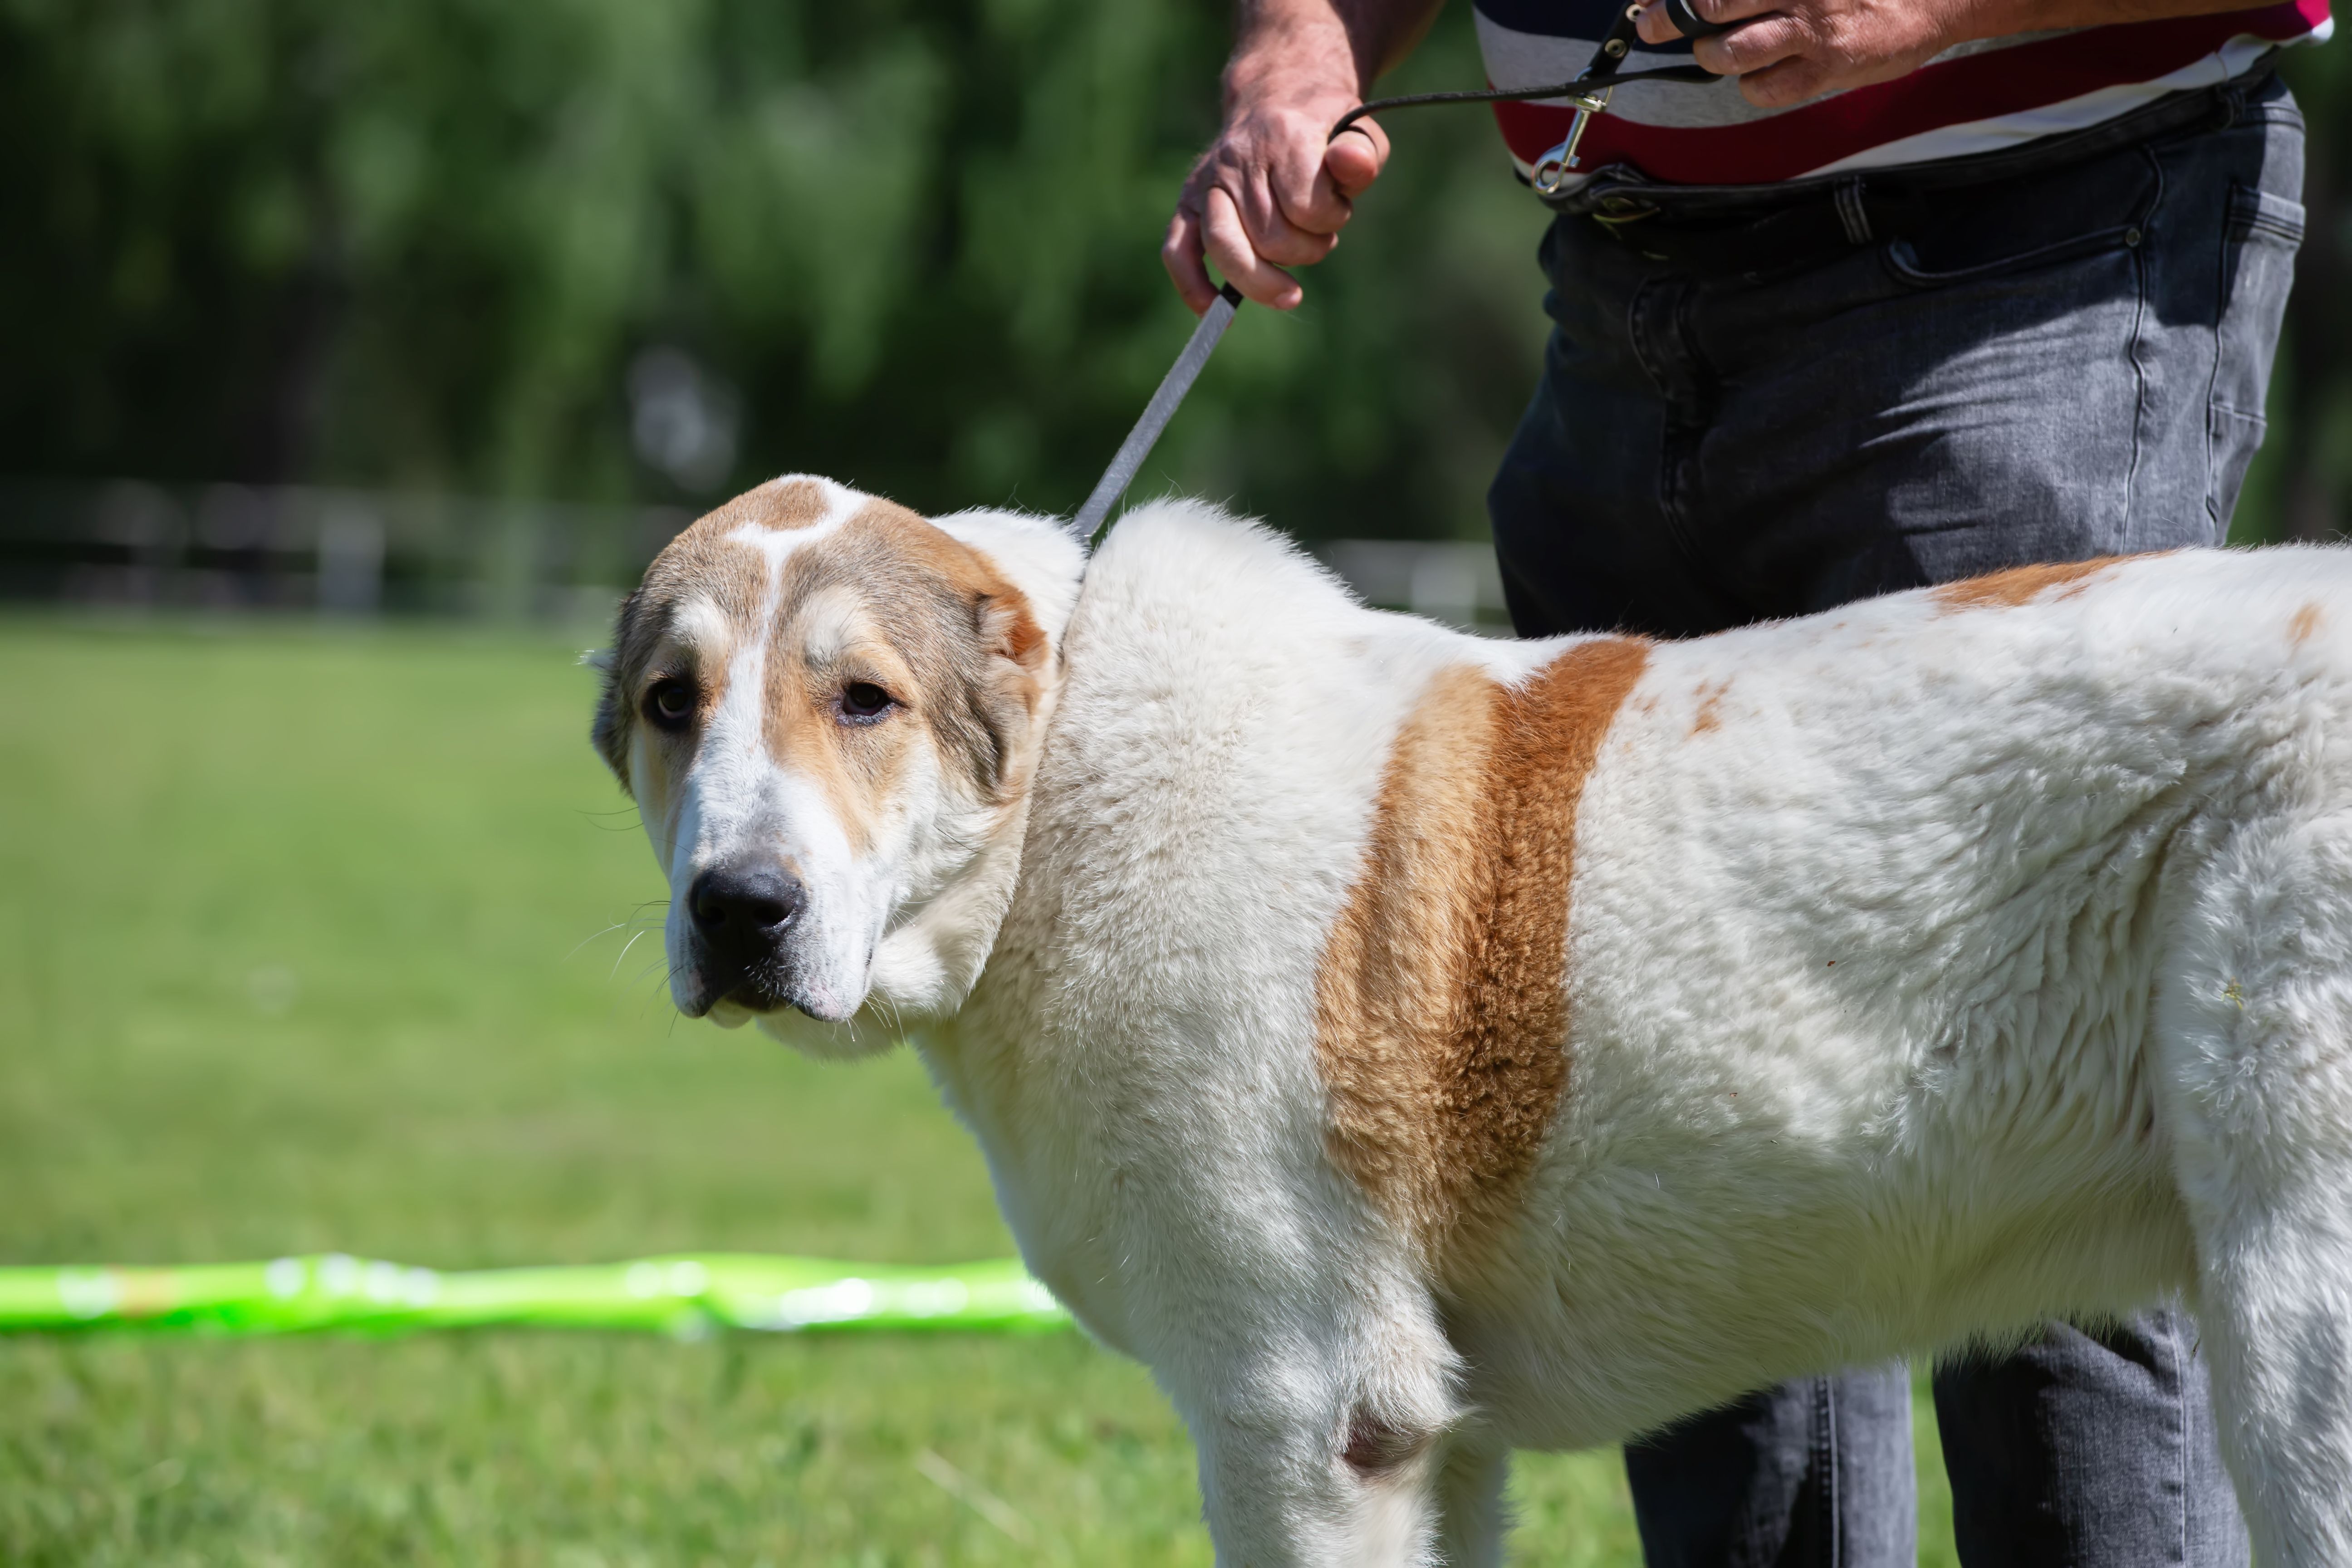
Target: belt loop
{"x":1853,"y":215}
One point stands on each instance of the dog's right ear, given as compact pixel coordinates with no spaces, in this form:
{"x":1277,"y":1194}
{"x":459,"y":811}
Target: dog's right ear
{"x":610,"y":733}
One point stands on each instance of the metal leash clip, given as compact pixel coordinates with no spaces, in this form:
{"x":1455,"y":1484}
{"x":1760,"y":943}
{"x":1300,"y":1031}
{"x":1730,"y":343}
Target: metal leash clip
{"x":1590,"y":92}
{"x":1550,"y":170}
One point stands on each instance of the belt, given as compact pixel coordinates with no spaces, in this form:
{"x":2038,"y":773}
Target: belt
{"x":1848,"y":215}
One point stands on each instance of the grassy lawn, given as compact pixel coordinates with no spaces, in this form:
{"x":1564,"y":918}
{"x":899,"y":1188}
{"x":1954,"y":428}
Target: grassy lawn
{"x":312,"y":940}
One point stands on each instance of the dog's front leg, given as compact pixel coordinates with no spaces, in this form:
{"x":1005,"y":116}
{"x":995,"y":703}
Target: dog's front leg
{"x":1322,"y":1410}
{"x":1294,"y":1474}
{"x":1470,"y":1471}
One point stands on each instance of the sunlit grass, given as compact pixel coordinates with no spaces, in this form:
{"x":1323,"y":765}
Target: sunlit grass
{"x":313,"y":940}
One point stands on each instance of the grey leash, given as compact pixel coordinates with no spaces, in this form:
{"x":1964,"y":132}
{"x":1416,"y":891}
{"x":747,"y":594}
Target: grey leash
{"x":1094,"y":517}
{"x":1590,"y":94}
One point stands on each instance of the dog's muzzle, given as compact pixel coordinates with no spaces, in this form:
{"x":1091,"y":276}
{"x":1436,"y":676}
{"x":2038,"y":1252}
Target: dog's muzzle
{"x":743,"y":916}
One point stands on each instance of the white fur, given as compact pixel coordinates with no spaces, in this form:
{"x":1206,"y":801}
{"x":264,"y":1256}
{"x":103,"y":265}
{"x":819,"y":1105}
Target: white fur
{"x":1966,"y":968}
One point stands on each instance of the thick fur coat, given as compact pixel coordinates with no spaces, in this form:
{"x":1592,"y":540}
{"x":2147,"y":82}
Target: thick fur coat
{"x":1413,"y":1046}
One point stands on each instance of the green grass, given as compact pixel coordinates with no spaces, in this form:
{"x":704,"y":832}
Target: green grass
{"x":304,"y":945}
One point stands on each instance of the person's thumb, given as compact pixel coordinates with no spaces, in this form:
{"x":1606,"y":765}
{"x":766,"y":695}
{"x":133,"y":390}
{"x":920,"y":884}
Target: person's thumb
{"x":1355,"y":157}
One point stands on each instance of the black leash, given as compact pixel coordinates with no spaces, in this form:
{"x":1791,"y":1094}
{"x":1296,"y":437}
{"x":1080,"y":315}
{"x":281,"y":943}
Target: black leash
{"x":1588,"y":91}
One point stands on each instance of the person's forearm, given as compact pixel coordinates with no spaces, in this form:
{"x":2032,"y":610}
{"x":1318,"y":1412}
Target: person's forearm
{"x":1336,"y":43}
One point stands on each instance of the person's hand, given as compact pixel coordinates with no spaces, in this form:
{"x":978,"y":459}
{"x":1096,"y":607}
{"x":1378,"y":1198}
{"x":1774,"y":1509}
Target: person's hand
{"x":1797,"y":49}
{"x":1269,"y":194}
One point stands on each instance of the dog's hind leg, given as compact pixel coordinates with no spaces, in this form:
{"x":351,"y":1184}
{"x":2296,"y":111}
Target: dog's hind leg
{"x":2254,"y":1052}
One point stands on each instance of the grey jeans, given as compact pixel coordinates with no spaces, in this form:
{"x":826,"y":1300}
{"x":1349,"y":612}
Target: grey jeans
{"x":1762,"y":403}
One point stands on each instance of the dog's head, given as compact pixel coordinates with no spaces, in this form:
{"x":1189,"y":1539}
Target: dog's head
{"x":828,"y":709}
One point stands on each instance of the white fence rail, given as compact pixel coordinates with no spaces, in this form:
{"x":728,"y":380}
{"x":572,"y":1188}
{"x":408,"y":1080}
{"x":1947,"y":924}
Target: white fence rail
{"x":346,"y":552}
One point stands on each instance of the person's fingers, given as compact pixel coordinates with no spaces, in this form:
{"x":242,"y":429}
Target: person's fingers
{"x":1356,"y":157}
{"x":1228,"y":244}
{"x":1302,"y":191}
{"x":1271,"y":193}
{"x":1785,"y":57}
{"x":1275,"y":237}
{"x":1656,"y":26}
{"x":1791,"y":81}
{"x":1766,"y":41}
{"x":1180,"y":254}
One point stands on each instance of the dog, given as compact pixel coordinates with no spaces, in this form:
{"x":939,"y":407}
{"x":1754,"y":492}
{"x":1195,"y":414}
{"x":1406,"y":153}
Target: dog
{"x":1413,"y":1046}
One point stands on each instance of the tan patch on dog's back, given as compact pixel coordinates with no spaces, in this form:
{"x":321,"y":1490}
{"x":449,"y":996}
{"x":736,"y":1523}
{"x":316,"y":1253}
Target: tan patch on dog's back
{"x":2301,"y":625}
{"x":1710,"y":696}
{"x":1441,"y":1003}
{"x":2022,"y":584}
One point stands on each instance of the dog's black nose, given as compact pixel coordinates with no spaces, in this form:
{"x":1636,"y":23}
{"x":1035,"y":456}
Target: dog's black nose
{"x":744,"y":902}
{"x":741,"y":911}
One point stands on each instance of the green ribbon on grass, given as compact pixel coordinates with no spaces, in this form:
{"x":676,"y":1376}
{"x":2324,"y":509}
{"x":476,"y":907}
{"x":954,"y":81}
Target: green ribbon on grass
{"x":686,"y":1295}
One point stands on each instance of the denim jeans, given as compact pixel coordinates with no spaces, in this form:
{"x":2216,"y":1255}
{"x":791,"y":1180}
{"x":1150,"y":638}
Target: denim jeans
{"x":2064,"y":361}
{"x":1764,"y":402}
{"x":2088,"y":1448}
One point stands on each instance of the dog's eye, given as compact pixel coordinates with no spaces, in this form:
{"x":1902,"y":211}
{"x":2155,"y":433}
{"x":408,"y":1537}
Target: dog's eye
{"x":863,"y":700}
{"x":669,"y":703}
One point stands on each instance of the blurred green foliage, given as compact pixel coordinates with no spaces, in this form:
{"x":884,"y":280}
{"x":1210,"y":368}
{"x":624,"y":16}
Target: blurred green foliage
{"x":420,"y":247}
{"x":417,"y":246}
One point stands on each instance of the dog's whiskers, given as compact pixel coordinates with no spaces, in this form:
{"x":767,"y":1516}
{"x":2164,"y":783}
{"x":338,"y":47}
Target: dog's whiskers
{"x":624,"y":952}
{"x":638,"y":921}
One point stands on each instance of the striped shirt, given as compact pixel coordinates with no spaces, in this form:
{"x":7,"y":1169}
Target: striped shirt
{"x":1981,"y":97}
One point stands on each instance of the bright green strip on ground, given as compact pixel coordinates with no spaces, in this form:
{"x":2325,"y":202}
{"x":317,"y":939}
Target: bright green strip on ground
{"x":685,"y":1295}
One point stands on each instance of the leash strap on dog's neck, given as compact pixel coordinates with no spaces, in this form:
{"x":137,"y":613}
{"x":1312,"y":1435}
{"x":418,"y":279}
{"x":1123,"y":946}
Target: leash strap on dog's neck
{"x":1094,"y":517}
{"x":1589,"y":93}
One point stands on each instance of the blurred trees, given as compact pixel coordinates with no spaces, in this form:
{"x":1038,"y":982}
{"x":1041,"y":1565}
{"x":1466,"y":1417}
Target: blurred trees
{"x":2302,"y":484}
{"x":912,"y":244}
{"x":604,"y":248}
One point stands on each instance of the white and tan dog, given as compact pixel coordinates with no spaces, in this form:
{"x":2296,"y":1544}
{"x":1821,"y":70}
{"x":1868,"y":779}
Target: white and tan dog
{"x":1414,"y":1047}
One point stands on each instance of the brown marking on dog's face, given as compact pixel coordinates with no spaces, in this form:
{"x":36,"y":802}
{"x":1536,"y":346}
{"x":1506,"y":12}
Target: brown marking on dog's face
{"x":934,"y":613}
{"x":1441,"y":1002}
{"x":887,"y":601}
{"x":700,"y":596}
{"x":2022,"y":584}
{"x":2302,"y":625}
{"x":781,"y":504}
